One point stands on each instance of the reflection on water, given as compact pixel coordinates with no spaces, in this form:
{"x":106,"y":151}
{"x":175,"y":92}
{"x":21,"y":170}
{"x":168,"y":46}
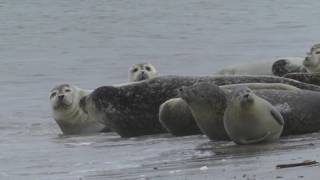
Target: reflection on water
{"x":86,"y":43}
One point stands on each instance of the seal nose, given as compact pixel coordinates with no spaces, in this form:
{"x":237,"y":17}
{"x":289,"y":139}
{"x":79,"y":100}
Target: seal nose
{"x":60,"y":97}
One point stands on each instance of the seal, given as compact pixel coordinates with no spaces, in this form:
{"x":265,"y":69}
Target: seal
{"x":67,"y":104}
{"x":259,"y":68}
{"x":143,"y":71}
{"x":288,"y":65}
{"x":312,"y":61}
{"x":310,"y":78}
{"x":133,"y":109}
{"x":297,"y":107}
{"x":250,"y":119}
{"x":175,"y":116}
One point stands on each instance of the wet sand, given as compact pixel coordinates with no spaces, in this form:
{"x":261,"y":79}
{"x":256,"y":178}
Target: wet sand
{"x":203,"y":159}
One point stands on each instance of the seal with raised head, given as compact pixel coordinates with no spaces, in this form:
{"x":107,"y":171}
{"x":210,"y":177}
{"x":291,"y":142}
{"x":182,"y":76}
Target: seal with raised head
{"x":312,"y":61}
{"x":249,"y":119}
{"x":176,"y":118}
{"x":208,"y":102}
{"x":142,"y":71}
{"x":288,"y":65}
{"x":133,"y":109}
{"x":67,"y":104}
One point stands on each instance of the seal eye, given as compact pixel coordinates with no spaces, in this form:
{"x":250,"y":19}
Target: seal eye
{"x":67,"y":90}
{"x":317,"y":52}
{"x":135,"y":70}
{"x":53,"y":94}
{"x":148,"y":68}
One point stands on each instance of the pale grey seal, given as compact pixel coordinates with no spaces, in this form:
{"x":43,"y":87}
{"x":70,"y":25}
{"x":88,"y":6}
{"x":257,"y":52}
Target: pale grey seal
{"x":142,"y":71}
{"x":67,"y":109}
{"x":288,"y":65}
{"x":249,"y":119}
{"x":312,"y":61}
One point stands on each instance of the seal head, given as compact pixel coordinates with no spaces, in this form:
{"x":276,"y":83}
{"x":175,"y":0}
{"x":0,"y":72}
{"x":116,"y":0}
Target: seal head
{"x":312,"y":61}
{"x":143,"y":71}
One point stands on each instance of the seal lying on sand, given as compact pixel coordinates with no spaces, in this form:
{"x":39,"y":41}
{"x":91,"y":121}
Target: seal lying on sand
{"x":290,"y":65}
{"x":133,"y":109}
{"x":250,"y":119}
{"x":297,"y":107}
{"x":143,"y":71}
{"x":67,"y":110}
{"x":310,"y":78}
{"x":312,"y":61}
{"x":264,"y":68}
{"x":175,"y":116}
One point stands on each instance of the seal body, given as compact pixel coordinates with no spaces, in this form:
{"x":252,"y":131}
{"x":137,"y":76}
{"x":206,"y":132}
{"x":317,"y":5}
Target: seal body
{"x":288,"y":65}
{"x":250,"y":119}
{"x":133,"y":109}
{"x":261,"y":68}
{"x":312,"y":61}
{"x":67,"y":109}
{"x":310,"y":78}
{"x":143,"y":71}
{"x":297,"y":107}
{"x":176,"y":118}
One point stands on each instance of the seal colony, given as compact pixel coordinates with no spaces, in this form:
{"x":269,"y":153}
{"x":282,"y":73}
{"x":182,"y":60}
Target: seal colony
{"x":133,"y":109}
{"x":270,"y":100}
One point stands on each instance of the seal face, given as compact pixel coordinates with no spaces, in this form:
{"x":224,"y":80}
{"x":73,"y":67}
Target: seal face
{"x":176,"y":118}
{"x":250,"y":119}
{"x":288,"y":65}
{"x":67,"y":104}
{"x":312,"y":61}
{"x":143,"y":71}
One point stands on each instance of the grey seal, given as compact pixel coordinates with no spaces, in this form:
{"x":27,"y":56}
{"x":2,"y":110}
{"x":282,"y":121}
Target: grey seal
{"x":249,"y":119}
{"x":175,"y":116}
{"x":67,"y":104}
{"x":312,"y":61}
{"x":142,"y":71}
{"x":208,"y":102}
{"x":133,"y":109}
{"x":310,"y":78}
{"x":288,"y":65}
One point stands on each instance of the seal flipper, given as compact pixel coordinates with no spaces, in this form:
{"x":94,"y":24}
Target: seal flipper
{"x":254,"y":141}
{"x":277,"y":116}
